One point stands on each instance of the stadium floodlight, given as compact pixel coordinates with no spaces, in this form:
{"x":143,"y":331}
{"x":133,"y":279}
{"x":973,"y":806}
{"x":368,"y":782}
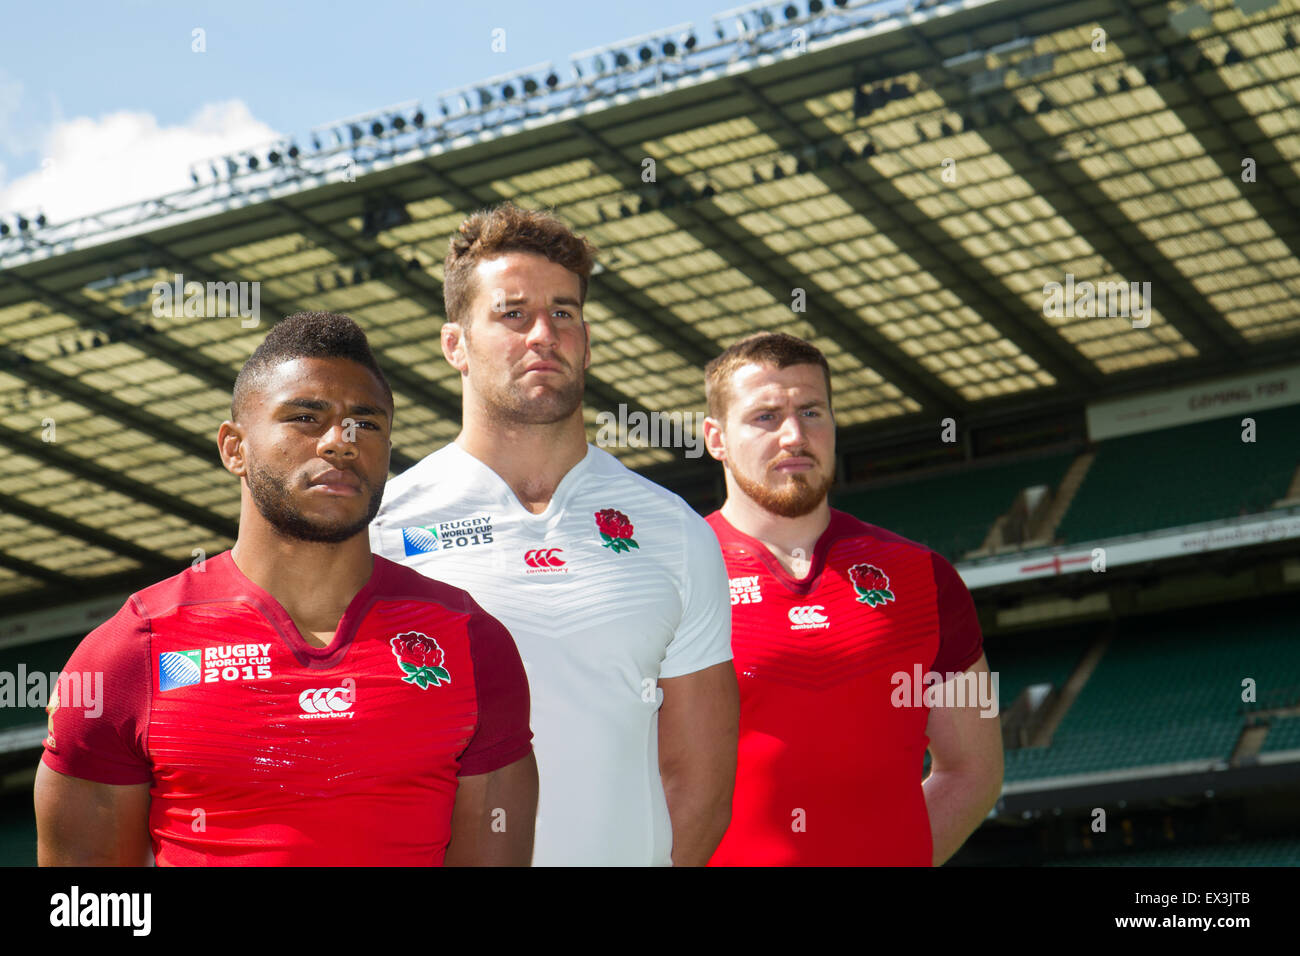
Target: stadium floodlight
{"x":815,"y":7}
{"x":252,"y":163}
{"x":294,"y":151}
{"x":376,"y":129}
{"x":552,"y":80}
{"x":194,"y":177}
{"x":530,"y":86}
{"x":791,"y":11}
{"x":417,"y":119}
{"x":273,"y":157}
{"x":645,"y":47}
{"x":689,"y":42}
{"x":356,"y":133}
{"x":398,"y":123}
{"x":22,"y":224}
{"x":508,"y":91}
{"x":232,"y":167}
{"x":4,"y":228}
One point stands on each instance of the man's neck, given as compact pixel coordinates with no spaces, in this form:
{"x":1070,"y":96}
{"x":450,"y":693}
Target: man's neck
{"x":790,"y":540}
{"x":531,"y":459}
{"x":313,"y":582}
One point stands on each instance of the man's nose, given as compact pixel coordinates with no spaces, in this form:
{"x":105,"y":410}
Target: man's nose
{"x":335,"y":442}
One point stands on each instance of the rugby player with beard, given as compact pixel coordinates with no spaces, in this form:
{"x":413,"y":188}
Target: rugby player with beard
{"x":296,"y":700}
{"x":831,"y":616}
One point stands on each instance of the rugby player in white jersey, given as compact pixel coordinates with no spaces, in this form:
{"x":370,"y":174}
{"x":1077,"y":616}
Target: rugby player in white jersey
{"x":613,"y":587}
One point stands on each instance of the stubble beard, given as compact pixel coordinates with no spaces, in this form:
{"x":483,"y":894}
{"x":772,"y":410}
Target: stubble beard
{"x":270,"y":495}
{"x":796,"y":496}
{"x":508,"y":405}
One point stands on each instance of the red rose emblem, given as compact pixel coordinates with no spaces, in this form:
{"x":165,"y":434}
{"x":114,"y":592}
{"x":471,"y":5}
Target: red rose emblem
{"x":616,"y":529}
{"x":871,"y":583}
{"x":420,"y":658}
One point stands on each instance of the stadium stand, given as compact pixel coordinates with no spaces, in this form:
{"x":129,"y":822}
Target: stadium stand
{"x":952,"y":512}
{"x":1168,"y":690}
{"x":1272,"y":852}
{"x":1283,"y":734}
{"x":1144,"y":483}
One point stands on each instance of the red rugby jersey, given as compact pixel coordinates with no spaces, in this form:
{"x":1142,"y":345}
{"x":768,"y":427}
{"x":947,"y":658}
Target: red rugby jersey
{"x":829,"y":769}
{"x":264,"y":750}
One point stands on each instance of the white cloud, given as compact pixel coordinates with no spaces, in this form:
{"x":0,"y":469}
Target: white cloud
{"x":92,"y":165}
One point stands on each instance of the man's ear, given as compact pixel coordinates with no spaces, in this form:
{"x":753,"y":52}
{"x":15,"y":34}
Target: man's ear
{"x":230,"y":445}
{"x":453,"y":346}
{"x":586,"y":363}
{"x":714,"y":440}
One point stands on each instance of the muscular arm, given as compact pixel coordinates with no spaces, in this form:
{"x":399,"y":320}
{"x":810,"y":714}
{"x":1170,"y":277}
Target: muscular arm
{"x":83,"y":823}
{"x":699,"y":730}
{"x":965,"y":770}
{"x":482,"y":836}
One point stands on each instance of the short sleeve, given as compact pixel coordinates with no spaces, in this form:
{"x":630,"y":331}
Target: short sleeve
{"x":502,"y":735}
{"x":99,"y":723}
{"x":960,"y":640}
{"x":703,"y":636}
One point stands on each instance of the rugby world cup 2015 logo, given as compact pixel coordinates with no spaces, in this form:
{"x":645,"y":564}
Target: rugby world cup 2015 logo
{"x":871,"y":583}
{"x":420,"y":658}
{"x":179,"y":669}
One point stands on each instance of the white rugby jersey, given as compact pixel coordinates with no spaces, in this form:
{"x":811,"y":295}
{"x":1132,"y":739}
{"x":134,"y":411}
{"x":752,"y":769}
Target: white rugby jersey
{"x":598,"y":616}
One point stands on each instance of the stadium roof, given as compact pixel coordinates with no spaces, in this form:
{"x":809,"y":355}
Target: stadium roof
{"x":920,"y":174}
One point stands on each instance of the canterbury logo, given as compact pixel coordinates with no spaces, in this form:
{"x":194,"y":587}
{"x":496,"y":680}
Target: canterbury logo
{"x":326,"y":699}
{"x":808,"y":614}
{"x":544,"y":558}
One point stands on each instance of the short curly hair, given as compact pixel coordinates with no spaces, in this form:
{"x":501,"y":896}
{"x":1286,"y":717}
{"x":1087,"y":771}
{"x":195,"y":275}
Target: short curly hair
{"x":507,"y":228}
{"x":305,"y":335}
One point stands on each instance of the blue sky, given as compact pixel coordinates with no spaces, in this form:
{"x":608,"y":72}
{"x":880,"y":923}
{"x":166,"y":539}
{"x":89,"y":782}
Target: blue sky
{"x":104,"y":103}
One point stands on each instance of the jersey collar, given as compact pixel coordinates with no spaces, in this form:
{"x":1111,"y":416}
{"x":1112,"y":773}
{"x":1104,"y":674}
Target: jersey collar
{"x":305,"y":653}
{"x":800,"y":586}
